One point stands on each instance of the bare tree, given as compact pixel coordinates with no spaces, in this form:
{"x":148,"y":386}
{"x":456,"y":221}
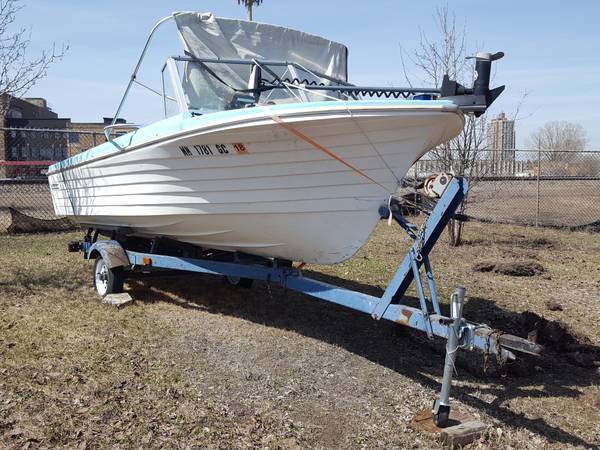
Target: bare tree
{"x":561,"y":140}
{"x":18,"y":72}
{"x":433,"y":58}
{"x":249,"y":4}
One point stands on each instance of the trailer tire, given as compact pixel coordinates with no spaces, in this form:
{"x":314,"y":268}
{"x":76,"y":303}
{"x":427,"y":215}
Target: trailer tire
{"x":106,"y":280}
{"x":239,"y":282}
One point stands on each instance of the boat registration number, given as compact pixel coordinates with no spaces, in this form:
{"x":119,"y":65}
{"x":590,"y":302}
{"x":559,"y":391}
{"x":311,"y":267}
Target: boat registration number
{"x":213,"y":149}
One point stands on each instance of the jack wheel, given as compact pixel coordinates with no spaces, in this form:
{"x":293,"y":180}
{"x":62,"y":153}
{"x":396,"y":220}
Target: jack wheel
{"x":107,"y":281}
{"x":441,"y":418}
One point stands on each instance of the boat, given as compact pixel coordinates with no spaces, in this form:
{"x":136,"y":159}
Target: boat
{"x":271,"y":151}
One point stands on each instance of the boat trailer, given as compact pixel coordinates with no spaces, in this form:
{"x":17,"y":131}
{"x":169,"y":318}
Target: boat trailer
{"x":119,"y":256}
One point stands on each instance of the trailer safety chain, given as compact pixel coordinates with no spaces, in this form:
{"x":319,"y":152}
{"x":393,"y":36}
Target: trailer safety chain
{"x":420,"y":242}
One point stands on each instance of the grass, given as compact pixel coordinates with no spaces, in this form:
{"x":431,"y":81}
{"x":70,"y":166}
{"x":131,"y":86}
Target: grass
{"x":196,"y":363}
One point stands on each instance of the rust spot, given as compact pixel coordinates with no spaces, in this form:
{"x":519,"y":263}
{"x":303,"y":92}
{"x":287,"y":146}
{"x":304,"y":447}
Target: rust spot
{"x":404,"y":317}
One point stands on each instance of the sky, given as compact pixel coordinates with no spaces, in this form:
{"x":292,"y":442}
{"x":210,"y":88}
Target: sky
{"x":551,"y":69}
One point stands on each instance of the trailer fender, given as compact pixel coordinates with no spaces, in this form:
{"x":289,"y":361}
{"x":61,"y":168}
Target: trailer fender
{"x":111,"y":251}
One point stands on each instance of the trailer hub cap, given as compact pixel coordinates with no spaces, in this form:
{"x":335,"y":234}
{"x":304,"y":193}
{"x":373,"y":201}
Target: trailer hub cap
{"x":101,"y":277}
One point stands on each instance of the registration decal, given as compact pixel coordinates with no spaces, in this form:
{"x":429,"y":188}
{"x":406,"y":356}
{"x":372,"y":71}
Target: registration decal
{"x":240,"y":148}
{"x":213,"y":149}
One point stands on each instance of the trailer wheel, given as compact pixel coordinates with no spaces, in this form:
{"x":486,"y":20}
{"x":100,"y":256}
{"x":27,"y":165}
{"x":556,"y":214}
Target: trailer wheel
{"x":239,"y":282}
{"x":107,"y":281}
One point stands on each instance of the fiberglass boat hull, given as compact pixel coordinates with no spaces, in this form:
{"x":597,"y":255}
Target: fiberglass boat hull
{"x":245,"y":182}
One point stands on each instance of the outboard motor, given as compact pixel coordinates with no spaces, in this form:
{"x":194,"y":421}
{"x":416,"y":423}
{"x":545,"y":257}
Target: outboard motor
{"x":483,"y":68}
{"x":480,"y":97}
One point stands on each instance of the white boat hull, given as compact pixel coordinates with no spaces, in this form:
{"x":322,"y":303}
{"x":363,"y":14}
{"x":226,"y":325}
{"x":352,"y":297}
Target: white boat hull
{"x":279,"y":196}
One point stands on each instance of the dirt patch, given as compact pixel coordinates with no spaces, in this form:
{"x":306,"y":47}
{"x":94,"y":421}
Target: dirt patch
{"x":535,"y":243}
{"x":513,"y":269}
{"x":516,"y":241}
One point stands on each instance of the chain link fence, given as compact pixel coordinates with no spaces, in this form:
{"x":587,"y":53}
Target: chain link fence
{"x":25,"y":154}
{"x":531,"y":187}
{"x":526,"y":187}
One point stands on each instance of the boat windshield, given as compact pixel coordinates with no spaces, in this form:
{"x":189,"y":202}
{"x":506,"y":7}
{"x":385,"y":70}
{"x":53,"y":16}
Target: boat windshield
{"x":224,"y":57}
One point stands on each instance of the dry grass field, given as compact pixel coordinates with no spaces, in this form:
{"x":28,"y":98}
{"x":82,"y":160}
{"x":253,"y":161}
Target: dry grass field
{"x":195,"y":363}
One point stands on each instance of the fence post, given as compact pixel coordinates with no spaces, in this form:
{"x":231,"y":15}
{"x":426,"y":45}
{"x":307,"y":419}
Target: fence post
{"x":537,"y":196}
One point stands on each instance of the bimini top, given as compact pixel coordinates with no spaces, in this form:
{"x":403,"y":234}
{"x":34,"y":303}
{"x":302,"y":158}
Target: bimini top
{"x":206,"y":36}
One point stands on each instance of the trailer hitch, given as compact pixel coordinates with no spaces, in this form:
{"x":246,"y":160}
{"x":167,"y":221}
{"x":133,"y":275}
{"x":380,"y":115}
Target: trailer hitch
{"x":517,"y":344}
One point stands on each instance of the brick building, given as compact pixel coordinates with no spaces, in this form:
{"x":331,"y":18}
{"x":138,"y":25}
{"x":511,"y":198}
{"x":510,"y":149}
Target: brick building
{"x":25,"y":145}
{"x":38,"y":134}
{"x":83,"y":135}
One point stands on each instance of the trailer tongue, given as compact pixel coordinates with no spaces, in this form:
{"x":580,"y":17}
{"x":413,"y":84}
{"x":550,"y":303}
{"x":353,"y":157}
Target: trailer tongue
{"x":120,"y":256}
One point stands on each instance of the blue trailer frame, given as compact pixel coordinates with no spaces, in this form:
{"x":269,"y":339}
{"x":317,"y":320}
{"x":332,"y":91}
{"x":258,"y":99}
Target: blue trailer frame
{"x":458,"y":332}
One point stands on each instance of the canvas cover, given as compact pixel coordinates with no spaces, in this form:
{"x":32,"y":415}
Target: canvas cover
{"x":207,"y":36}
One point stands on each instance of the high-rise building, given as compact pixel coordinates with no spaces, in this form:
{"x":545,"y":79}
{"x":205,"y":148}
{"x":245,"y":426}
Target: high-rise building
{"x":501,"y":139}
{"x":500,"y":146}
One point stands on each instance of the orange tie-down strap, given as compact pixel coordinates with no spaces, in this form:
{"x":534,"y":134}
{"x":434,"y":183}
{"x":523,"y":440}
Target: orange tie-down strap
{"x":325,"y":150}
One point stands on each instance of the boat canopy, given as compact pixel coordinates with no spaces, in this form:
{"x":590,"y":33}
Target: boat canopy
{"x":214,"y":86}
{"x":232,"y":64}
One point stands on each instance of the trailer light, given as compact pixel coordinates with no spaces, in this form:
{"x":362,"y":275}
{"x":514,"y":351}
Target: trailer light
{"x":74,"y":246}
{"x":147,"y":261}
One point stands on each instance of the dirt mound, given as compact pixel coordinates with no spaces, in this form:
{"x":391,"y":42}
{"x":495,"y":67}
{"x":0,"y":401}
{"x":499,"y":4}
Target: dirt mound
{"x":556,"y":336}
{"x":513,"y":269}
{"x":22,"y":223}
{"x":593,"y":227}
{"x":562,"y":346}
